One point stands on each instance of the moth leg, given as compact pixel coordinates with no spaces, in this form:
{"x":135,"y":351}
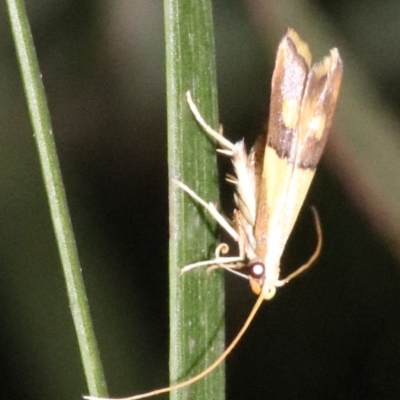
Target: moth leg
{"x":223,"y":248}
{"x":217,"y":262}
{"x":225,"y":143}
{"x":210,"y":208}
{"x":220,"y":261}
{"x":314,"y":256}
{"x":230,"y":268}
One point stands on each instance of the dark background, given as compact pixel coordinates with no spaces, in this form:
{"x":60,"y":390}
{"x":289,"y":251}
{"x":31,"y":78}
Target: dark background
{"x":333,"y":333}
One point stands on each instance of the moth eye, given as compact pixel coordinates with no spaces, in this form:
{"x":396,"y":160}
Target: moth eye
{"x":257,"y":270}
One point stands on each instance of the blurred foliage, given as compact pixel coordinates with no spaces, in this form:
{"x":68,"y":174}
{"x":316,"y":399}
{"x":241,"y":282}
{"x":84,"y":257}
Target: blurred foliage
{"x":334,"y":333}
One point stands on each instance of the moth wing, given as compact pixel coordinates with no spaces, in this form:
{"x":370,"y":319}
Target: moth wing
{"x":302,"y":106}
{"x":288,"y":83}
{"x":314,"y":123}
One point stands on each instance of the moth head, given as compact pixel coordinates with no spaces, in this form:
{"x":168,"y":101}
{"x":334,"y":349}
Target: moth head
{"x":258,"y":283}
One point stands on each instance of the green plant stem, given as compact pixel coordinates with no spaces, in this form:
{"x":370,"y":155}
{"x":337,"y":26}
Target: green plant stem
{"x":40,"y":118}
{"x":196,"y":299}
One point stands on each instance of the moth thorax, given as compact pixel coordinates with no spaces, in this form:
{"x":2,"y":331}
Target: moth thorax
{"x":258,"y":283}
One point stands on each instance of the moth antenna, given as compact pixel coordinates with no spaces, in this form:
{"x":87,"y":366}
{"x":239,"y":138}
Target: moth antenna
{"x":202,"y":374}
{"x":316,"y":253}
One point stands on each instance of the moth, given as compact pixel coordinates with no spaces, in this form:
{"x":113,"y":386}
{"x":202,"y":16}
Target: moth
{"x":272,"y":181}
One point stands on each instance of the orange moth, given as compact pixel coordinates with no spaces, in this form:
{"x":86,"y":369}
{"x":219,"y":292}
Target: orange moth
{"x":273,"y":179}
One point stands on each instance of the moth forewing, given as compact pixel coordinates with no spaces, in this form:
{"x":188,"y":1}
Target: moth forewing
{"x":315,"y":120}
{"x":288,"y":83}
{"x":303,"y":101}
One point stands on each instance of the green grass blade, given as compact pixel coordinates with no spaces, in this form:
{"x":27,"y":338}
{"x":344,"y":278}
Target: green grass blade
{"x":40,"y":118}
{"x":196,"y":300}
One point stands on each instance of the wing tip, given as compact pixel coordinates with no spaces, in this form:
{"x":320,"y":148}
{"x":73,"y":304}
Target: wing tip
{"x":301,"y":47}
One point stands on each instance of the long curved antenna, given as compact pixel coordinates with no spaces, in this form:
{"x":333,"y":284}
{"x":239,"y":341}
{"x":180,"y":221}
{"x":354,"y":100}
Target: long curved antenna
{"x":242,"y":331}
{"x":202,"y":374}
{"x":316,"y":253}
